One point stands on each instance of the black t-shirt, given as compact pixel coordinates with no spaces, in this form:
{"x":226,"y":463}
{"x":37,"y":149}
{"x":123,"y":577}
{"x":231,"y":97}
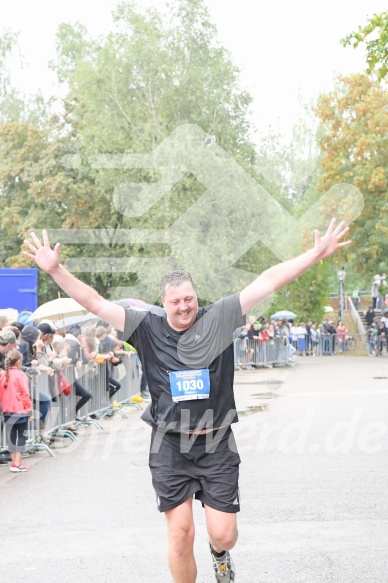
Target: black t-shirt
{"x":252,"y":332}
{"x":207,"y":344}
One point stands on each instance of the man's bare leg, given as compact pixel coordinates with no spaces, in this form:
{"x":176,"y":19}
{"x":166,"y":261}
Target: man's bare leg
{"x":222,"y":531}
{"x":221,"y":528}
{"x":181,"y":530}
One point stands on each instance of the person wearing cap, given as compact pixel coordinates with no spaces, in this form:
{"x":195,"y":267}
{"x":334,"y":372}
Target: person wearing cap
{"x":46,"y":328}
{"x":47,"y":334}
{"x":7,"y":343}
{"x":41,"y":358}
{"x":46,"y":331}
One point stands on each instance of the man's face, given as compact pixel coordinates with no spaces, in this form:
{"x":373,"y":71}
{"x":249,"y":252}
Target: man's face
{"x":181,"y":306}
{"x":6,"y":348}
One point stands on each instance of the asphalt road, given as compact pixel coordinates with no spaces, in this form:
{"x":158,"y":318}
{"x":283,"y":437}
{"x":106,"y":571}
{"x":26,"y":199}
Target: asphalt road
{"x":314,"y":489}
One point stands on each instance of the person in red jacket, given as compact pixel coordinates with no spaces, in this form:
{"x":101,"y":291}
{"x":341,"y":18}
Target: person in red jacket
{"x":16,"y":405}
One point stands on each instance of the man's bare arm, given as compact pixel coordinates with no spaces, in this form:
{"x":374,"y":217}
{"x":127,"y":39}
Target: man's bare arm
{"x":48,"y":260}
{"x":283,"y":273}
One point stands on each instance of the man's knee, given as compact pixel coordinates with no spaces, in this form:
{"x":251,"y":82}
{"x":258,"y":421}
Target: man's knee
{"x":224,"y":538}
{"x":181,"y":539}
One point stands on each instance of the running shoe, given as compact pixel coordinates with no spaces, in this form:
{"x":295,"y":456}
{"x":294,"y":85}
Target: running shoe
{"x":223,"y":567}
{"x":18,"y":469}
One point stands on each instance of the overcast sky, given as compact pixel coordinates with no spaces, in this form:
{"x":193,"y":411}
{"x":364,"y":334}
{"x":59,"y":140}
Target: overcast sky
{"x":287,"y":51}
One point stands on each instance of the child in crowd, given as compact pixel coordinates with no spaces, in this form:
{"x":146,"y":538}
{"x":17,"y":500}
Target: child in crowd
{"x":16,"y":406}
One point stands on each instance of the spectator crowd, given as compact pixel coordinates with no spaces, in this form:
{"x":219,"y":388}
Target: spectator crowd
{"x":376,"y":316}
{"x":27,"y":351}
{"x":377,"y":331}
{"x":263,"y":342}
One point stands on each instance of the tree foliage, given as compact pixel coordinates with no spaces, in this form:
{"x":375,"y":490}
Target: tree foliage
{"x":353,"y":142}
{"x":129,"y":91}
{"x":374,"y":37}
{"x":124,"y":94}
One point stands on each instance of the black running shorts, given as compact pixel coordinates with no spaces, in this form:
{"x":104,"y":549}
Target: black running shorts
{"x":206,"y":466}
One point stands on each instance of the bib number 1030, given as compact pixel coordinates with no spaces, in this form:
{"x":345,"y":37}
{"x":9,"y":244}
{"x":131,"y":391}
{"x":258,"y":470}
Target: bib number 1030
{"x":192,"y":385}
{"x":187,"y":385}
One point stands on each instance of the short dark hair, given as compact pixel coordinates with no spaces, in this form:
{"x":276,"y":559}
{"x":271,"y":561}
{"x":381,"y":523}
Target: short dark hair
{"x":174,"y":279}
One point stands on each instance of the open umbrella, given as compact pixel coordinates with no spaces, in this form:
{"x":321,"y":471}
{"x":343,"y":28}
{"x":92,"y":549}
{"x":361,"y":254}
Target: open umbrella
{"x":89,"y":318}
{"x":68,"y":321}
{"x":328,"y":309}
{"x":283,"y":315}
{"x":140,"y":305}
{"x":57,"y":309}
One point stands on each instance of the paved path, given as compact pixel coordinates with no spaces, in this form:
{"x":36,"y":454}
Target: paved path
{"x":314,"y":485}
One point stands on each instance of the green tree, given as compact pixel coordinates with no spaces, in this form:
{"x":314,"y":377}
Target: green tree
{"x":374,"y":37}
{"x":290,"y":171}
{"x":307,"y":295}
{"x":127,"y":92}
{"x":36,"y":191}
{"x":353,"y":142}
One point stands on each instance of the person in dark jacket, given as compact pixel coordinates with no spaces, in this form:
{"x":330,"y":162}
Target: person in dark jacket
{"x":78,"y":359}
{"x":105,"y":347}
{"x":370,"y":316}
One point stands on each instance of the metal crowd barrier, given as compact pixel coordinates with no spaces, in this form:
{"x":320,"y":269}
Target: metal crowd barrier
{"x":377,"y":345}
{"x":280,"y":352}
{"x":62,"y":415}
{"x":262,"y":353}
{"x":333,"y":344}
{"x":3,"y":441}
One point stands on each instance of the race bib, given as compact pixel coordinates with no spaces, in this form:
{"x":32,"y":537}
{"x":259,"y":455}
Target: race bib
{"x":188,"y":385}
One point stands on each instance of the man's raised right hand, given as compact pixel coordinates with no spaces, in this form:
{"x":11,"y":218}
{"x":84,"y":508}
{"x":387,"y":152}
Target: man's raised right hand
{"x":45,"y":257}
